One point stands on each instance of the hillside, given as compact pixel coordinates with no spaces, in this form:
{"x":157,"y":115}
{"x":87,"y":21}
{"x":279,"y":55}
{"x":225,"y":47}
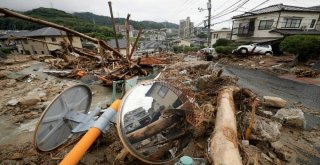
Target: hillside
{"x":106,"y":21}
{"x":82,"y":22}
{"x":59,"y":17}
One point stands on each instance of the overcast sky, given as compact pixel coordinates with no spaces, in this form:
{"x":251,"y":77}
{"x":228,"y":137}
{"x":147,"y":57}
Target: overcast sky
{"x":154,"y":10}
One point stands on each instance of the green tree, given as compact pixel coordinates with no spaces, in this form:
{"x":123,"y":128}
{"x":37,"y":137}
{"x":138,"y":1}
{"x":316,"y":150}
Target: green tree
{"x":303,"y":46}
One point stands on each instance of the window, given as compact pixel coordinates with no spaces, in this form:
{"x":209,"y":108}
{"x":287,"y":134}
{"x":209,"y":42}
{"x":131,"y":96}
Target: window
{"x":35,"y":52}
{"x":53,"y":39}
{"x":28,"y":52}
{"x":21,"y":51}
{"x":265,"y":24}
{"x":291,"y":22}
{"x":163,"y":91}
{"x":313,"y":22}
{"x":243,"y":28}
{"x":42,"y":52}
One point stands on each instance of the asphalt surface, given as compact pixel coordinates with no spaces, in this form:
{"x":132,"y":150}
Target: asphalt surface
{"x":264,"y":83}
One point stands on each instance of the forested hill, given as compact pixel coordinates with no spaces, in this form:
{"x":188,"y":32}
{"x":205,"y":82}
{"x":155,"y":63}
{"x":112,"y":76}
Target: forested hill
{"x":106,"y":21}
{"x":82,"y":22}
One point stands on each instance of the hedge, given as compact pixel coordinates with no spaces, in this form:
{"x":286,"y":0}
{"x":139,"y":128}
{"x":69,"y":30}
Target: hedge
{"x":225,"y":49}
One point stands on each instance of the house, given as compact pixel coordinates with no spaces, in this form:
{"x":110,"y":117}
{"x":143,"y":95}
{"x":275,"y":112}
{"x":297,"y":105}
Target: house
{"x":164,"y":97}
{"x":275,"y":22}
{"x":182,"y":42}
{"x":122,"y":30}
{"x":38,"y":41}
{"x":122,"y":45}
{"x":222,"y":33}
{"x":200,"y":42}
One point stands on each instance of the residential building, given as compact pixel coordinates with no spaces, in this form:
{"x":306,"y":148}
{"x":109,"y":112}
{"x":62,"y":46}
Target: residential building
{"x":275,"y":22}
{"x":199,"y":30}
{"x":26,"y":41}
{"x":122,"y":30}
{"x":222,"y":33}
{"x":185,"y":28}
{"x":200,"y":42}
{"x":182,"y":42}
{"x":122,"y":45}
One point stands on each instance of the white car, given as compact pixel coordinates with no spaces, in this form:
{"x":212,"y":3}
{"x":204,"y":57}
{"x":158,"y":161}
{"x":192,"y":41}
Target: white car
{"x":254,"y":48}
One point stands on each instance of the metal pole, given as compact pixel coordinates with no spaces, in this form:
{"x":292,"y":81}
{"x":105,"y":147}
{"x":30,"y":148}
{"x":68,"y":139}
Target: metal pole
{"x":209,"y":22}
{"x":114,"y":26}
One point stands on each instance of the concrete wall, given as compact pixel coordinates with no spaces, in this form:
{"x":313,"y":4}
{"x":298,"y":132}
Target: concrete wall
{"x":76,"y":42}
{"x":305,"y":22}
{"x":34,"y":47}
{"x":221,"y":34}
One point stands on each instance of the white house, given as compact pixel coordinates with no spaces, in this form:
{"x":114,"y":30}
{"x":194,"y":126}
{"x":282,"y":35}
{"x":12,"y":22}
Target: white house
{"x":275,"y":22}
{"x":222,"y":33}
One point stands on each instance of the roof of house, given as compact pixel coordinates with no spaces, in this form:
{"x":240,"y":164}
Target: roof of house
{"x":296,"y":31}
{"x":47,"y":31}
{"x":315,"y":7}
{"x":15,"y":34}
{"x":122,"y":43}
{"x":275,"y":8}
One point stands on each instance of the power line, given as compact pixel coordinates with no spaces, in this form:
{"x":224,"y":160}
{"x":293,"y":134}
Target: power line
{"x":259,"y":5}
{"x":228,"y":7}
{"x":239,"y":6}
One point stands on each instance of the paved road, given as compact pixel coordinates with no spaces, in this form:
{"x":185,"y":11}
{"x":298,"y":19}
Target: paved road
{"x":265,"y":83}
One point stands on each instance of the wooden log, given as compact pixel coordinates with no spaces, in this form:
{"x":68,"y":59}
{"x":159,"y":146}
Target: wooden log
{"x":135,"y":44}
{"x":127,"y":36}
{"x":151,"y":129}
{"x":224,"y":143}
{"x":114,"y":26}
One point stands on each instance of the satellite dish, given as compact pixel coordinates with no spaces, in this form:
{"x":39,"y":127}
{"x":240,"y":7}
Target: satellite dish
{"x":152,"y":122}
{"x":61,"y":117}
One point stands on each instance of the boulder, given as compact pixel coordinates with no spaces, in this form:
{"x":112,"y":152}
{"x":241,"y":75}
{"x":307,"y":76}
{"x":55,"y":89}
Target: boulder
{"x":276,"y":145}
{"x":265,"y":129}
{"x":292,"y":117}
{"x":29,"y":101}
{"x":13,"y":102}
{"x":287,"y":155}
{"x":17,"y":156}
{"x":274,"y":101}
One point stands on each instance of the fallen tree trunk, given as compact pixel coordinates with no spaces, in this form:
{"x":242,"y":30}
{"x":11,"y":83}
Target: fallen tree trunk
{"x":224,"y":143}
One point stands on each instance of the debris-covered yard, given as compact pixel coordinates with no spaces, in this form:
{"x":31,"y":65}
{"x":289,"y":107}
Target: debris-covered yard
{"x":270,"y":130}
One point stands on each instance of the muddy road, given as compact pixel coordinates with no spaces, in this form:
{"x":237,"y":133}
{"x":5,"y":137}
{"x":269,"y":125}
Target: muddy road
{"x":268,"y":84}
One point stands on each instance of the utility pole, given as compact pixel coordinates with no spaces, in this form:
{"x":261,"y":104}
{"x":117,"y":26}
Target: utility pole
{"x":209,"y":23}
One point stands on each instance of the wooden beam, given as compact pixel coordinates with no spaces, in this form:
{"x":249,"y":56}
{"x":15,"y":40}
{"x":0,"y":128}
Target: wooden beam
{"x":127,"y":36}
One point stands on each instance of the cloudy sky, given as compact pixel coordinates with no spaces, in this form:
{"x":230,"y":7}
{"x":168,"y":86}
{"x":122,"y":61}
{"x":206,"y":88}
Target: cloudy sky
{"x":155,"y":10}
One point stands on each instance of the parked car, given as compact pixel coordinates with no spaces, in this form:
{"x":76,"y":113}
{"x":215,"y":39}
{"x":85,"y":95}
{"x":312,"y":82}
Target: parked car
{"x":257,"y":49}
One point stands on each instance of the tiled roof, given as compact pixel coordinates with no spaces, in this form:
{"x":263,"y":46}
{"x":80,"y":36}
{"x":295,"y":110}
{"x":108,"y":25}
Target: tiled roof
{"x":296,"y":31}
{"x":47,"y":31}
{"x":275,"y":8}
{"x":122,"y":43}
{"x":15,"y":34}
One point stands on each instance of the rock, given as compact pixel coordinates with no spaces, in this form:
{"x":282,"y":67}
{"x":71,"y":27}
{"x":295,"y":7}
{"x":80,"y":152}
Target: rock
{"x":287,"y":155}
{"x":11,"y":83}
{"x":292,"y":117}
{"x":245,"y":142}
{"x":18,"y":118}
{"x":13,"y":102}
{"x":265,"y":129}
{"x":184,"y":72}
{"x":28,"y":101}
{"x":261,"y":62}
{"x":267,"y":113}
{"x":17,"y":156}
{"x":274,"y":101}
{"x":276,"y":145}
